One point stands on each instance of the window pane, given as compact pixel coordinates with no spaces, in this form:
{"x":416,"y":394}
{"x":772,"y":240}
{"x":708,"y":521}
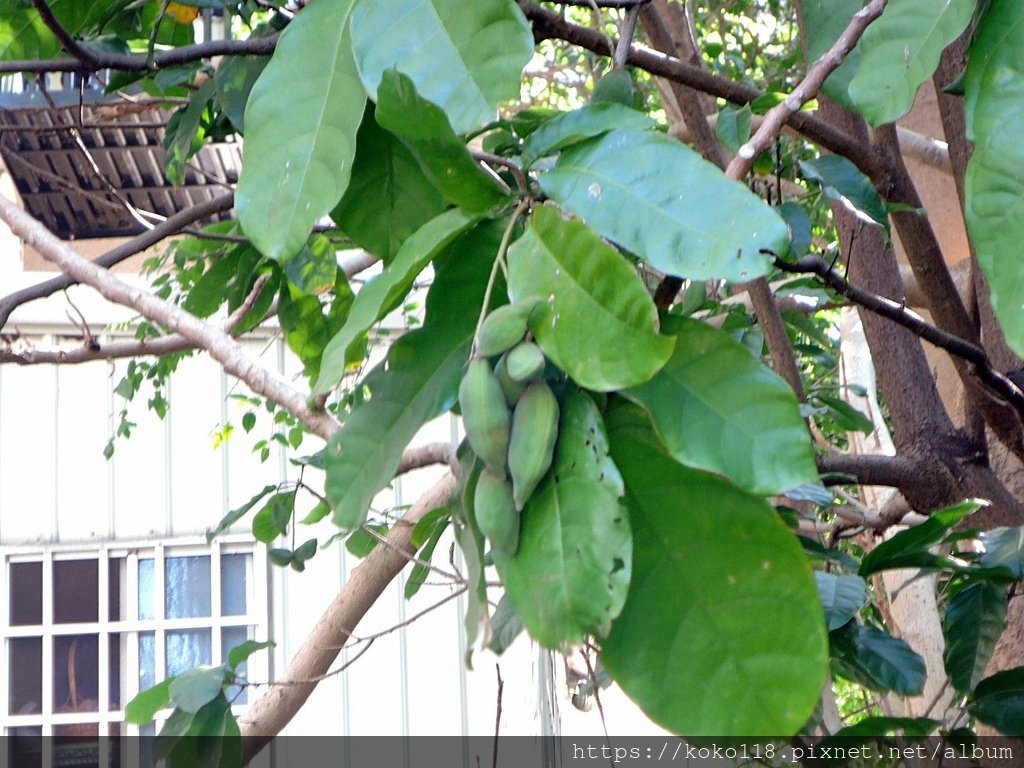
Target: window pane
{"x":26,"y":675}
{"x":26,"y":594}
{"x":231,"y":637}
{"x":116,"y":647}
{"x":118,"y":567}
{"x":147,"y":589}
{"x":147,"y":660}
{"x":188,"y":648}
{"x":235,"y":584}
{"x":25,"y":746}
{"x":76,"y":673}
{"x":188,"y":587}
{"x":75,"y":591}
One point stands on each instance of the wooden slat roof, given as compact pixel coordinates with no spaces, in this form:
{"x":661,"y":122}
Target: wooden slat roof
{"x":81,"y":193}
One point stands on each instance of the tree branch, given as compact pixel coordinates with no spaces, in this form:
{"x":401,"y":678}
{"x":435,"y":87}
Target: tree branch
{"x":125,"y":250}
{"x":871,"y":469}
{"x":997,"y":383}
{"x":186,"y":54}
{"x":220,"y":345}
{"x":69,"y":43}
{"x":271,"y":712}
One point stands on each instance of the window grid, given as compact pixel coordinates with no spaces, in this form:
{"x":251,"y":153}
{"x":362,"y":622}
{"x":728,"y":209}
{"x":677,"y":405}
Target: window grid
{"x":127,"y":626}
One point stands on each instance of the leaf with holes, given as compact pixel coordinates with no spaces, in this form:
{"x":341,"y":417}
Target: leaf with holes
{"x":649,"y":193}
{"x":900,"y":50}
{"x":570,"y":574}
{"x":464,"y":57}
{"x":721,"y":592}
{"x":302,"y":118}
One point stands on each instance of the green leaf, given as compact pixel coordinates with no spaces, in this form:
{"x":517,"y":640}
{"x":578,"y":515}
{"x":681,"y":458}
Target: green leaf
{"x":235,"y":515}
{"x":506,"y":626}
{"x":427,"y":134}
{"x":999,"y":701}
{"x":183,"y":136}
{"x":380,"y":295}
{"x":903,"y":549}
{"x":272,"y":520}
{"x":800,"y":228}
{"x":598,"y":322}
{"x":1004,"y":547}
{"x":143,"y":708}
{"x":314,"y":269}
{"x":417,"y":382}
{"x":718,"y":408}
{"x":570,"y":574}
{"x":649,"y":193}
{"x":318,"y":513}
{"x":900,"y":50}
{"x":238,"y":655}
{"x":841,"y":596}
{"x":389,"y":197}
{"x":302,"y":117}
{"x":823,"y":22}
{"x":177,"y":725}
{"x":845,"y":415}
{"x":307,"y":330}
{"x":362,"y":541}
{"x":877,"y":660}
{"x":464,"y":57}
{"x":579,"y":125}
{"x":733,"y":127}
{"x":235,"y":78}
{"x":876,"y":725}
{"x":994,"y":189}
{"x":841,"y":181}
{"x":972,"y":625}
{"x":420,"y":572}
{"x":721,"y":592}
{"x":471,"y":544}
{"x":280,"y":556}
{"x":196,"y":687}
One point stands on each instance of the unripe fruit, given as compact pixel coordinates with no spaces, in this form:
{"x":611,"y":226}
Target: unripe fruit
{"x":505,"y":327}
{"x":513,"y":389}
{"x":485,"y":415}
{"x":532,"y":440}
{"x":496,"y":514}
{"x":525,"y":361}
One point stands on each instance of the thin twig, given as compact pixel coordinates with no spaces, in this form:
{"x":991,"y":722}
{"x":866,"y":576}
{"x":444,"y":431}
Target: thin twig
{"x":997,"y":384}
{"x":382,"y":541}
{"x":497,"y":714}
{"x":626,"y":33}
{"x":504,"y":162}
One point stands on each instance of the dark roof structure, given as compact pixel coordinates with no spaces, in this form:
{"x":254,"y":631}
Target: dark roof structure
{"x":81,"y":169}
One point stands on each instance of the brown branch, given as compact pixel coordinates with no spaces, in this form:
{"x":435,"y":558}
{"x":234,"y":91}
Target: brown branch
{"x":548,"y":25}
{"x":116,"y":255}
{"x":220,"y":345}
{"x":83,"y":55}
{"x":271,"y":712}
{"x":186,"y":54}
{"x":871,"y":469}
{"x":997,"y":383}
{"x":426,"y":456}
{"x":808,"y":88}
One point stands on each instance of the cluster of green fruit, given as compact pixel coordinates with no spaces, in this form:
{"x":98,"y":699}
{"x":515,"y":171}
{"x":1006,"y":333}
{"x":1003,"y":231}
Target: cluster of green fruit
{"x":511,"y":419}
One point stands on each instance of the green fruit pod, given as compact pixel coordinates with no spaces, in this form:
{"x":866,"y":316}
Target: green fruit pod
{"x":505,"y":327}
{"x":513,"y":389}
{"x":525,"y":361}
{"x":532,"y":440}
{"x":495,"y":511}
{"x":485,"y":415}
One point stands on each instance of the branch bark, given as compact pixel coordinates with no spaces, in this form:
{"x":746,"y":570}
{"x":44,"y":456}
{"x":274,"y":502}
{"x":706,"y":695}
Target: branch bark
{"x":269,"y":714}
{"x":172,"y":226}
{"x":221,"y":346}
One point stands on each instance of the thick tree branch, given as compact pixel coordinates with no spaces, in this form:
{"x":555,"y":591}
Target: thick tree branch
{"x":547,"y":25}
{"x":125,"y":250}
{"x":219,"y":344}
{"x":871,"y":469}
{"x":998,"y":384}
{"x":808,"y":88}
{"x":186,"y":54}
{"x":69,"y":43}
{"x":272,"y":711}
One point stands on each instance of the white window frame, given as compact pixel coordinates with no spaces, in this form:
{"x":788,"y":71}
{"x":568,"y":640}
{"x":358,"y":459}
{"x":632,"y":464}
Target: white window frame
{"x":257,"y":616}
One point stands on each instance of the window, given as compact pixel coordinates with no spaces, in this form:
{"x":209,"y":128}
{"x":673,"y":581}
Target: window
{"x":84,"y":631}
